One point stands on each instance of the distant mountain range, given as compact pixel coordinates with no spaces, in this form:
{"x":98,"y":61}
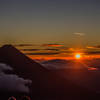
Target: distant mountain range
{"x":46,"y":84}
{"x":64,"y":64}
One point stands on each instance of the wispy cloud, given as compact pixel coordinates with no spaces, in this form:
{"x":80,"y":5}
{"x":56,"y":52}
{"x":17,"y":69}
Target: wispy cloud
{"x":53,"y":45}
{"x":23,"y":45}
{"x":90,"y":47}
{"x":92,"y":52}
{"x":52,"y":49}
{"x":93,"y":47}
{"x":53,"y":53}
{"x":79,"y":34}
{"x":29,"y":49}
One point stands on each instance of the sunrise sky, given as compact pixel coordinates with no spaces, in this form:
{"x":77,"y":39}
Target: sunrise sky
{"x":66,"y":23}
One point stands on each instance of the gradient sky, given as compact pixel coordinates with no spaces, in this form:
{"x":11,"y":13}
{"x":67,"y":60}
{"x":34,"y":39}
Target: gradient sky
{"x":50,"y":21}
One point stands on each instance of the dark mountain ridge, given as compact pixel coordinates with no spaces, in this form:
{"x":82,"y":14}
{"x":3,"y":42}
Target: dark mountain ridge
{"x":21,"y":63}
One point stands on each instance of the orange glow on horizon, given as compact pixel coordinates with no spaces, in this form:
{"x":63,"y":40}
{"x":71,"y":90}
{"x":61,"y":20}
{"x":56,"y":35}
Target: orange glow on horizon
{"x":66,"y":58}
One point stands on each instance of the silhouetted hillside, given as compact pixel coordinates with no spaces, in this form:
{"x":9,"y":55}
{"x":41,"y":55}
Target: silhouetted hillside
{"x":22,"y":65}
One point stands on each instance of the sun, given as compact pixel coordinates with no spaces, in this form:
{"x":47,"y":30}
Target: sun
{"x":77,"y":56}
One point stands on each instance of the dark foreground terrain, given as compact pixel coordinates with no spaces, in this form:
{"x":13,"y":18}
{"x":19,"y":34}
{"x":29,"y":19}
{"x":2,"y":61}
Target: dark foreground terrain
{"x":48,"y":84}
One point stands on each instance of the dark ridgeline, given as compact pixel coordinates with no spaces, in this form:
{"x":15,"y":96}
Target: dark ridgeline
{"x":22,"y":65}
{"x":46,"y":85}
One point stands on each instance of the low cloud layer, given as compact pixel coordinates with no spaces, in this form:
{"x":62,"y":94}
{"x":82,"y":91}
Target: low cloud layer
{"x":30,"y":49}
{"x":49,"y":53}
{"x":92,"y":52}
{"x":11,"y":82}
{"x":23,"y":45}
{"x":54,"y":64}
{"x":4,"y":67}
{"x":63,"y":64}
{"x":53,"y":45}
{"x":52,"y":49}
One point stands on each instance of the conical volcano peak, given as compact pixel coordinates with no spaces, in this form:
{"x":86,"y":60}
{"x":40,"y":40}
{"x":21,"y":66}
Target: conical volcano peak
{"x":9,"y":49}
{"x":7,"y":46}
{"x":22,"y":64}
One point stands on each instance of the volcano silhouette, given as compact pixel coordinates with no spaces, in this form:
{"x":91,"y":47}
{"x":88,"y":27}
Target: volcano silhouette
{"x":46,"y":84}
{"x":22,"y":65}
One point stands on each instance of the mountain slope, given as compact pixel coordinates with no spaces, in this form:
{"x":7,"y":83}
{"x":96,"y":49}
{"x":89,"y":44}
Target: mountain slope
{"x":22,"y":65}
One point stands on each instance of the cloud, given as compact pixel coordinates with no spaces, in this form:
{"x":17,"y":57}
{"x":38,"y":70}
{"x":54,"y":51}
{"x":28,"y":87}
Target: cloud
{"x":90,"y":47}
{"x":52,"y":49}
{"x":62,"y":64}
{"x":54,"y":64}
{"x":29,"y":49}
{"x":85,"y":77}
{"x":23,"y":45}
{"x":43,"y":53}
{"x":53,"y":45}
{"x":11,"y":82}
{"x":93,"y":47}
{"x":98,"y":46}
{"x":79,"y":34}
{"x":4,"y":67}
{"x":92,"y":52}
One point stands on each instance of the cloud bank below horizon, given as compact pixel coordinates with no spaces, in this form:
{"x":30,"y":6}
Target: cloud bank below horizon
{"x":12,"y":82}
